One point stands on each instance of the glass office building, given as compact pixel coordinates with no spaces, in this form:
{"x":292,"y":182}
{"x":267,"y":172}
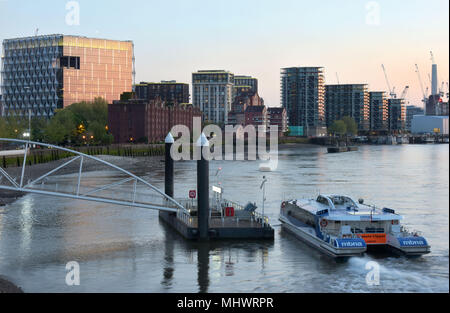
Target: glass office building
{"x":43,"y":73}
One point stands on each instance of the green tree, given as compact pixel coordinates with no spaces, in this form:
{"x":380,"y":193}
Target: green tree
{"x":88,"y":112}
{"x":338,"y":128}
{"x":352,"y":127}
{"x":70,"y":124}
{"x":61,"y":128}
{"x":13,"y":127}
{"x":38,"y":126}
{"x":97,"y":129}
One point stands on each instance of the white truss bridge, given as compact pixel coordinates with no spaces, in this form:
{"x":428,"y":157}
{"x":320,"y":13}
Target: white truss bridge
{"x":128,"y":190}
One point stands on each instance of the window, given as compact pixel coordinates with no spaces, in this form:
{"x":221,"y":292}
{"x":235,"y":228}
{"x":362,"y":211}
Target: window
{"x":322,"y":200}
{"x":70,"y":62}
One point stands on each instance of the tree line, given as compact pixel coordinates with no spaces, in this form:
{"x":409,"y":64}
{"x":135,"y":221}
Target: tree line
{"x":345,"y":126}
{"x":83,"y":123}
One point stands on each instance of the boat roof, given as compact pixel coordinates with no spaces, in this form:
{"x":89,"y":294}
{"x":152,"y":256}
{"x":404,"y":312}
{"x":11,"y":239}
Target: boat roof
{"x":344,"y":208}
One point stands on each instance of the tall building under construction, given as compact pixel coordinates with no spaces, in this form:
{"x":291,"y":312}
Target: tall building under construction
{"x":379,"y":111}
{"x":303,"y":97}
{"x":43,"y":73}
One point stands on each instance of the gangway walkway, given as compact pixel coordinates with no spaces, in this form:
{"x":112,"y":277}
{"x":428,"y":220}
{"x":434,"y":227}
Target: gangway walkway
{"x":127,"y":181}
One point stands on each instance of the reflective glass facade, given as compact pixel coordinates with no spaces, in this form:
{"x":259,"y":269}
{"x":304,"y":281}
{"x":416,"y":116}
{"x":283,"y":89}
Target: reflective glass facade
{"x":43,"y":73}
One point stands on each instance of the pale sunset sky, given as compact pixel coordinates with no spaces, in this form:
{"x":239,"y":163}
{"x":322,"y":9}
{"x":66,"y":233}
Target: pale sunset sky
{"x":258,"y":37}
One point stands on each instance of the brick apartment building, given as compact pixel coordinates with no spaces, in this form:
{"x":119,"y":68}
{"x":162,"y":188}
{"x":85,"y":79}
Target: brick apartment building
{"x":138,"y":120}
{"x":256,"y":116}
{"x":278,"y":117}
{"x":240,"y":104}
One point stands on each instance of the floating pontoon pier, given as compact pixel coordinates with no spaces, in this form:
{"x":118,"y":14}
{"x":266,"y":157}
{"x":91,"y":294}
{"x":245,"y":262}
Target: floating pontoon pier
{"x":214,"y":218}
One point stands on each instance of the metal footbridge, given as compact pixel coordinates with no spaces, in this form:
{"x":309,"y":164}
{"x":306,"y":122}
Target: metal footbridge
{"x":127,"y":190}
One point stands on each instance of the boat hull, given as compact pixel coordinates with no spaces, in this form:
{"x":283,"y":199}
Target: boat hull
{"x":307,"y":234}
{"x":408,"y":246}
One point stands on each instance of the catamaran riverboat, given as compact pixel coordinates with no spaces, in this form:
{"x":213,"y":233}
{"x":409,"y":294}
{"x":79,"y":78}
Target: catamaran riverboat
{"x":341,"y":228}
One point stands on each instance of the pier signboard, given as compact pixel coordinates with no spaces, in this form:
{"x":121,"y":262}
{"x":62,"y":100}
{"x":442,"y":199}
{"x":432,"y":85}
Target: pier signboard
{"x":374,"y":239}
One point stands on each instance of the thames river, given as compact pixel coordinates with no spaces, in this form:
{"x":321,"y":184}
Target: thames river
{"x":123,"y":249}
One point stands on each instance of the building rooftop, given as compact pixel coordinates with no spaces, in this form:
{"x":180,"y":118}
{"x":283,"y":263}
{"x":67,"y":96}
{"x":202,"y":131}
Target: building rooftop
{"x":162,"y":82}
{"x":347,"y":85}
{"x":275,"y":109}
{"x":60,"y":35}
{"x":255,"y":108}
{"x":212,"y":72}
{"x":244,"y":77}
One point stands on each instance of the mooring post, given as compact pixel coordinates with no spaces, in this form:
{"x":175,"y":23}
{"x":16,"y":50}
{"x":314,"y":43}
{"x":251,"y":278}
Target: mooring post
{"x":203,"y":190}
{"x":169,"y":166}
{"x":168,"y":176}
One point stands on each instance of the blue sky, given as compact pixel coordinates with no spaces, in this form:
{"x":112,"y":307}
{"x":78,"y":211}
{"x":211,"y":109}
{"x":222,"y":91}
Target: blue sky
{"x":257,"y":37}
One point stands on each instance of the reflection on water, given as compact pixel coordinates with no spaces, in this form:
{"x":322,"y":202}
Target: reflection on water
{"x":121,"y":249}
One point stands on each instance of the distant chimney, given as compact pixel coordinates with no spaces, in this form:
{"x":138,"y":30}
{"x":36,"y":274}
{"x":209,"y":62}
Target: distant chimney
{"x":434,"y":80}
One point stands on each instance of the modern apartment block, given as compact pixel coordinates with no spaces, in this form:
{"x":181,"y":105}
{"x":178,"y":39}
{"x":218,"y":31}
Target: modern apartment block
{"x":247,"y":83}
{"x":44,"y":73}
{"x":213,"y":94}
{"x":303,"y":97}
{"x":412,"y":110}
{"x":348,"y":100}
{"x":397,"y":115}
{"x":379,"y":111}
{"x":169,"y":91}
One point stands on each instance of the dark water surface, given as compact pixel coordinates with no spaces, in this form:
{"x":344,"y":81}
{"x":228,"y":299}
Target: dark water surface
{"x":122,"y":249}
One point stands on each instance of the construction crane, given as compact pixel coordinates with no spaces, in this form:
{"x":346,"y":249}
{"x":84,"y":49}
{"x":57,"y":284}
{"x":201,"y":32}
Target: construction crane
{"x":441,"y":90}
{"x":391,"y":91}
{"x":404,"y":93}
{"x":421,"y":85}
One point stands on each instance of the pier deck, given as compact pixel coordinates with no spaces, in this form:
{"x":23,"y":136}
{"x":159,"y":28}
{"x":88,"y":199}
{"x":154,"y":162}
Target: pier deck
{"x":226,"y":228}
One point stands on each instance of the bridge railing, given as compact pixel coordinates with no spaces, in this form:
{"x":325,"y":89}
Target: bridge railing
{"x":11,"y":183}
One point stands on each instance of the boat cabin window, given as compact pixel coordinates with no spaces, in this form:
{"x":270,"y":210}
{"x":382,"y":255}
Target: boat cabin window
{"x":357,"y":230}
{"x":345,"y":201}
{"x":322,"y":200}
{"x":374,"y":230}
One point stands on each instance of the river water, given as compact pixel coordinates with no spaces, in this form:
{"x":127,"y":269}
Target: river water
{"x":122,"y":249}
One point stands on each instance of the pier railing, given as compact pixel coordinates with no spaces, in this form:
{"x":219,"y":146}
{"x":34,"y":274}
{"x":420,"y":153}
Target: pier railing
{"x":241,"y":218}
